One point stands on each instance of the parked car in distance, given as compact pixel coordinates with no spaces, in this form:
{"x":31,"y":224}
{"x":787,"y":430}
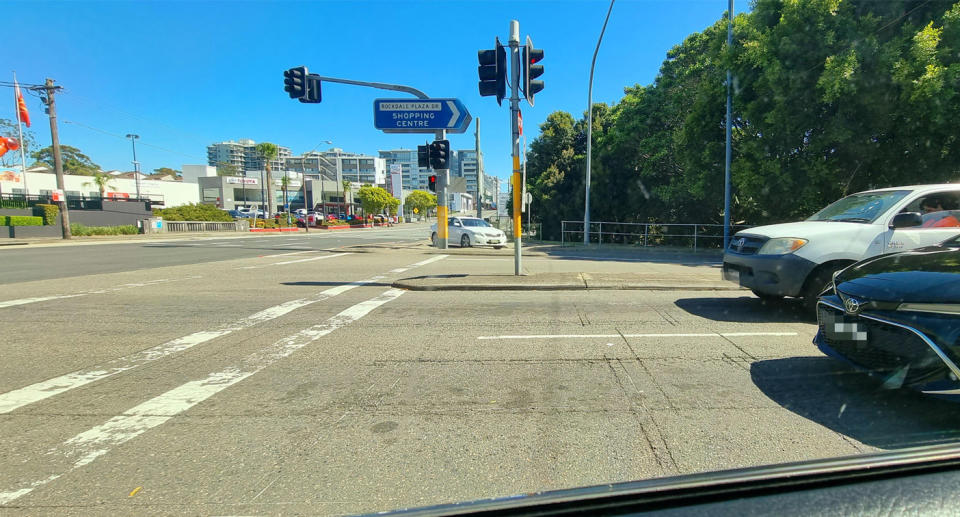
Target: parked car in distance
{"x":897,"y":317}
{"x":236,"y":214}
{"x":470,"y":231}
{"x":799,"y":259}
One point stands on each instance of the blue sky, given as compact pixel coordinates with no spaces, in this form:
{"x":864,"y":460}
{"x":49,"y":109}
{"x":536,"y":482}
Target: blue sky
{"x":185,"y":74}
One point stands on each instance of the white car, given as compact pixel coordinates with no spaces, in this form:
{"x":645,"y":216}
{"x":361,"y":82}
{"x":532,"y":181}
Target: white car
{"x":470,"y":231}
{"x":799,"y":259}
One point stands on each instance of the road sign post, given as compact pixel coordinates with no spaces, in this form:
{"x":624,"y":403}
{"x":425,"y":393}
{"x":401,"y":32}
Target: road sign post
{"x":515,"y":139}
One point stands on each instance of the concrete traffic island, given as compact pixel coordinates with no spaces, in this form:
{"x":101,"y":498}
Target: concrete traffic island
{"x":563,"y":282}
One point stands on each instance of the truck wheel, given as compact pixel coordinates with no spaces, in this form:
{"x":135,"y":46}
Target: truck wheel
{"x":816,"y":284}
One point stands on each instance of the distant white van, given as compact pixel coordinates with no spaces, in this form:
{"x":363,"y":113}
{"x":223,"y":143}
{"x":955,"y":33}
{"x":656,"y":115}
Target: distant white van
{"x":799,"y":259}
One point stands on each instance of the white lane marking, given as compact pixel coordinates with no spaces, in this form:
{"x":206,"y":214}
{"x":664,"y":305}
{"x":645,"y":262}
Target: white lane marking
{"x":321,"y":257}
{"x":24,"y":301}
{"x":418,"y":264}
{"x":230,"y":245}
{"x":574,"y":336}
{"x":93,"y":443}
{"x":36,"y":392}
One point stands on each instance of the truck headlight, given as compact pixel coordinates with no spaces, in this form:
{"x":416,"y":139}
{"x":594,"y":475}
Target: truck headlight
{"x":781,"y":246}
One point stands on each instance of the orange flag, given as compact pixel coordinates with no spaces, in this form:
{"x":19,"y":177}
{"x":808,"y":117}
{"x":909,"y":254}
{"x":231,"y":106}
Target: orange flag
{"x":21,"y":106}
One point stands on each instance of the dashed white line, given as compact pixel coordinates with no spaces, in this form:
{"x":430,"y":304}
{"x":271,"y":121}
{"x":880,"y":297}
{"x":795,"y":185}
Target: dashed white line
{"x":24,"y":301}
{"x":418,"y":264}
{"x":36,"y":392}
{"x":93,"y":443}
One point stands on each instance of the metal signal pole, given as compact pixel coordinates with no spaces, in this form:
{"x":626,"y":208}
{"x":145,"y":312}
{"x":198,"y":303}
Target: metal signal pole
{"x":515,"y":132}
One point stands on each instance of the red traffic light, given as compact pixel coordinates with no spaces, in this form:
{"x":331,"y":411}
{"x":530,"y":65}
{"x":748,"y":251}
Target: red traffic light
{"x":433,"y":183}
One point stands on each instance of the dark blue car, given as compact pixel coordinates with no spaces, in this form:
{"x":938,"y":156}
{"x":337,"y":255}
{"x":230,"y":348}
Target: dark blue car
{"x":897,"y":317}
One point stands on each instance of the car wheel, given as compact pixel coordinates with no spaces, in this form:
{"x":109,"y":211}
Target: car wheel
{"x":435,"y":241}
{"x":465,"y":241}
{"x":498,"y":247}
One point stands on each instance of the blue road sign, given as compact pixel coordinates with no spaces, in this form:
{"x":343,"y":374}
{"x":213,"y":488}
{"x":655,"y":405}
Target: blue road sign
{"x":420,"y":115}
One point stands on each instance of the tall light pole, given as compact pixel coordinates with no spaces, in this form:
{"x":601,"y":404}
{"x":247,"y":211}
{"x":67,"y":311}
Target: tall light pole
{"x":726,"y":169}
{"x":136,"y":165}
{"x":586,"y":199}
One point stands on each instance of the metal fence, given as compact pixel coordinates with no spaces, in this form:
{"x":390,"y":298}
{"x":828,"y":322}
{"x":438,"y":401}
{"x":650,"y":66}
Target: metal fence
{"x":201,"y":226}
{"x":694,"y":235}
{"x":73,"y":202}
{"x":530,"y":231}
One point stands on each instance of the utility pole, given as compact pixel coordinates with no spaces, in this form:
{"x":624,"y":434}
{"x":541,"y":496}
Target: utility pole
{"x":515,"y":139}
{"x":136,"y":165}
{"x":57,"y":159}
{"x":476,"y":129}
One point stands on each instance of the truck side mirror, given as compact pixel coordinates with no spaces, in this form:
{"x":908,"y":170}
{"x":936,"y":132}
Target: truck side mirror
{"x":906,"y":220}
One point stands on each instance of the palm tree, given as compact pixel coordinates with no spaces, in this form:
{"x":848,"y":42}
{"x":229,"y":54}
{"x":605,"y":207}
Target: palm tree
{"x":284,"y":183}
{"x":101,"y":180}
{"x":346,"y":188}
{"x":268,"y":152}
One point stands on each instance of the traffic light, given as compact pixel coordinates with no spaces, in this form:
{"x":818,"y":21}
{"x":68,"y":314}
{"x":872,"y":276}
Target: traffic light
{"x":295,"y":82}
{"x":493,"y":71}
{"x":530,"y":70}
{"x":423,"y":157}
{"x":440,"y":154}
{"x":433,"y":183}
{"x":313,"y":90}
{"x":300,"y":85}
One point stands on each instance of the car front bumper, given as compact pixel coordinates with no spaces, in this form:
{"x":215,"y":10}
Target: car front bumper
{"x":895,"y":351}
{"x":781,"y":275}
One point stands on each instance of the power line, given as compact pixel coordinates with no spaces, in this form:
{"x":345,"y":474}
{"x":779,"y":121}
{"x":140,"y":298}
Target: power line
{"x":115,"y":135}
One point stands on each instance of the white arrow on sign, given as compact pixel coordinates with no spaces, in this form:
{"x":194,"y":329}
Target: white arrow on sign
{"x":456,"y":113}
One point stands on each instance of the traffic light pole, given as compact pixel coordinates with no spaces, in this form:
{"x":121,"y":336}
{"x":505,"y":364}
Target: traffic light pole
{"x":442,"y":209}
{"x":515,"y":127}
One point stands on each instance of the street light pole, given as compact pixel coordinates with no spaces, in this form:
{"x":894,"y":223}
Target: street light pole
{"x":586,"y":200}
{"x":729,"y":150}
{"x":136,"y":165}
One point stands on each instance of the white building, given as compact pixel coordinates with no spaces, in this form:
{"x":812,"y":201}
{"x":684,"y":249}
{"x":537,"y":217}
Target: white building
{"x":162,"y":194}
{"x":338,"y":165}
{"x":243,"y":155}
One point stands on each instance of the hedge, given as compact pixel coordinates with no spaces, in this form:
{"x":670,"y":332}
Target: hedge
{"x":82,"y":231}
{"x":193,"y":213}
{"x":20,"y":220}
{"x":13,"y":203}
{"x":49,"y":213}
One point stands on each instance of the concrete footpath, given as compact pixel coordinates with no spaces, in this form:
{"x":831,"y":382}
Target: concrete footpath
{"x":552,"y":268}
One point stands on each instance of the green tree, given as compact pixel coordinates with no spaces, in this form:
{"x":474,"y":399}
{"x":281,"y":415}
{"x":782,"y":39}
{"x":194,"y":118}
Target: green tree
{"x":393,"y":205}
{"x":374,"y":200}
{"x":421,"y":200}
{"x":8,"y":128}
{"x":102,"y":181}
{"x":166,"y":171}
{"x":74,"y":161}
{"x":268,"y":153}
{"x":227,"y":169}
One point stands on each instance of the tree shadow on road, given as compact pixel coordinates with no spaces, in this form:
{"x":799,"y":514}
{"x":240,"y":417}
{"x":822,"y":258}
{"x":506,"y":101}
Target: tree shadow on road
{"x":854,"y":404}
{"x":747,"y":309}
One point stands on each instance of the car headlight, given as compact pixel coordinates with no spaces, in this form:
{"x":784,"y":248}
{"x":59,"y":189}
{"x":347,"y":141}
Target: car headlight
{"x":781,"y":246}
{"x":940,"y":308}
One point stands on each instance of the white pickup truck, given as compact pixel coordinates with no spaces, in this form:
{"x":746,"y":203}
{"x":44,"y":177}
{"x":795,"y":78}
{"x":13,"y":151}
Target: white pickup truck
{"x":799,"y":259}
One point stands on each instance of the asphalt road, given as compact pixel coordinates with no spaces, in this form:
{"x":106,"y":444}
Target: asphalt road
{"x":39,"y":262}
{"x":306,"y":384}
